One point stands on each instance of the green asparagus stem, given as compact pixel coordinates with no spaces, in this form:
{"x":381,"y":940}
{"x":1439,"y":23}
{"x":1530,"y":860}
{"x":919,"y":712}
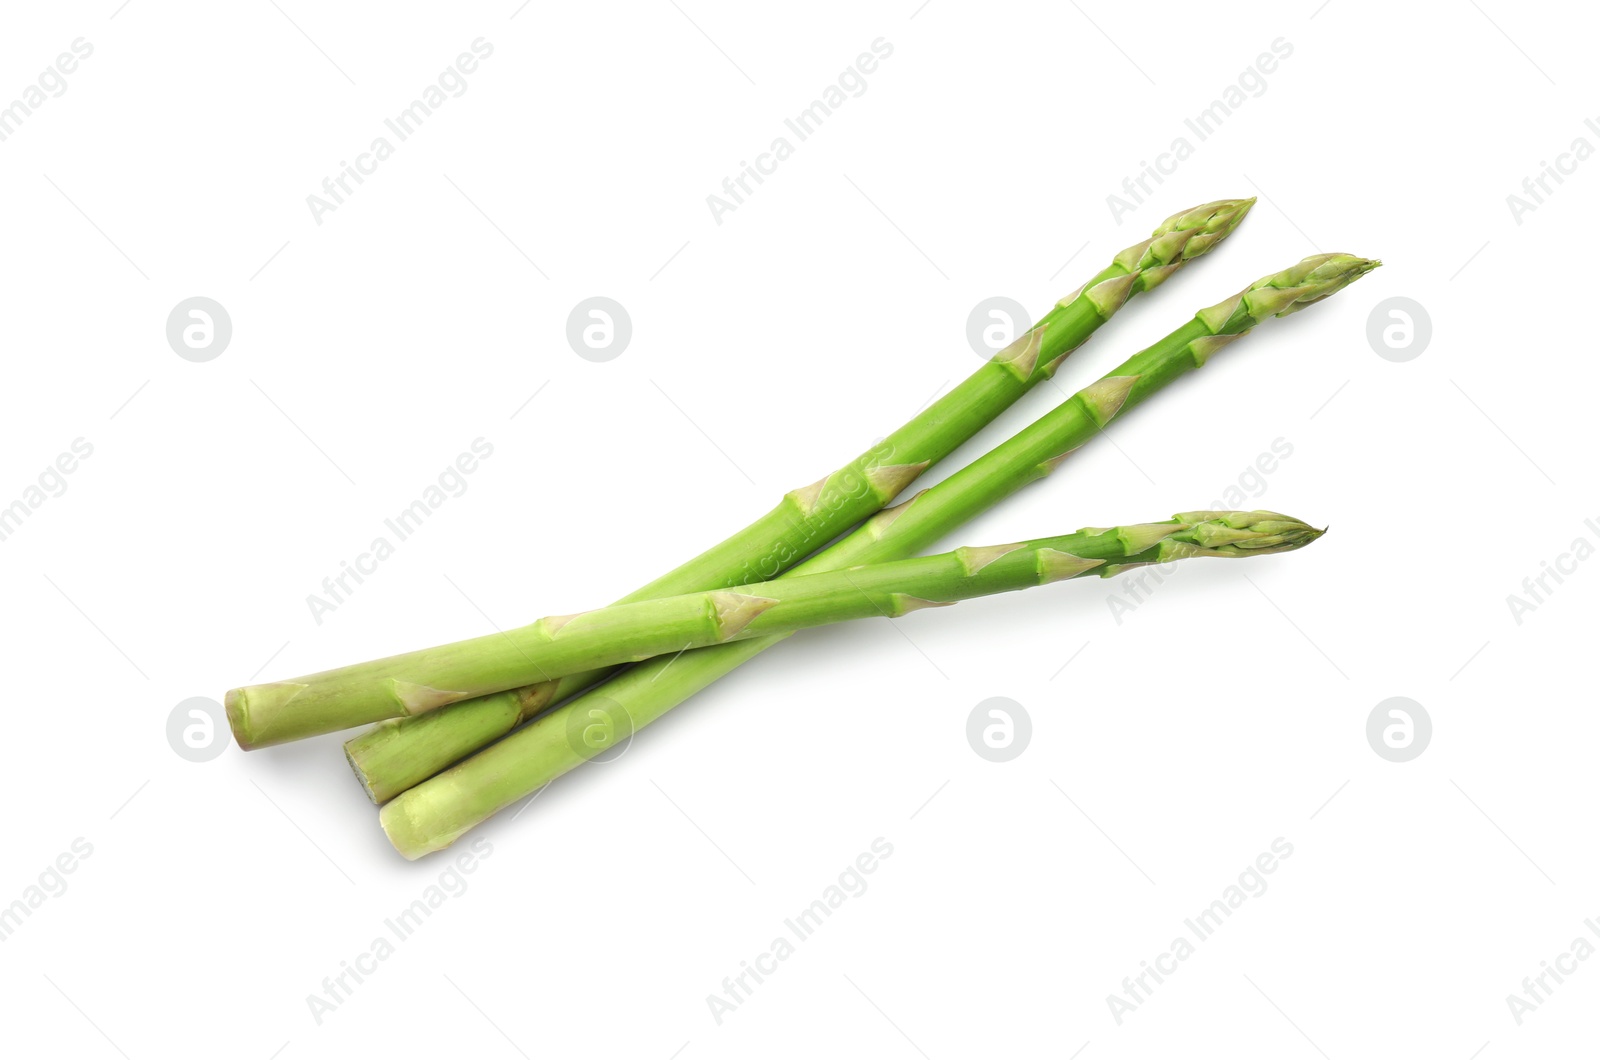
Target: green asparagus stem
{"x":433,"y":814}
{"x":401,"y":752}
{"x":611,"y":636}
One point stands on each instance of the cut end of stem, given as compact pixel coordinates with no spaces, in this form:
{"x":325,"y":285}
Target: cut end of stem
{"x":361,"y":774}
{"x":409,"y":835}
{"x":254,"y":712}
{"x":237,"y":705}
{"x":251,"y":709}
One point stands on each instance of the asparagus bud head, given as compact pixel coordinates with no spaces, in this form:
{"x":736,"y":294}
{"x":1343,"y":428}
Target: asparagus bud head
{"x":1289,"y":291}
{"x":1145,"y":265}
{"x":1190,"y":535}
{"x":1243,"y":533}
{"x":1182,"y":237}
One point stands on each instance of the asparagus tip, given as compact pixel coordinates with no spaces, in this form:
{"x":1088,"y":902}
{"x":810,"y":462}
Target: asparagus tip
{"x":1221,"y":215}
{"x":1302,"y":284}
{"x":1225,"y":533}
{"x":1327,"y":274}
{"x":1182,"y":237}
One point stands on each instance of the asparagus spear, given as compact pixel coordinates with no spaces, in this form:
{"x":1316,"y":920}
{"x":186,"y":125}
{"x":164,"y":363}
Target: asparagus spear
{"x":622,"y":633}
{"x":433,"y":814}
{"x":389,"y":758}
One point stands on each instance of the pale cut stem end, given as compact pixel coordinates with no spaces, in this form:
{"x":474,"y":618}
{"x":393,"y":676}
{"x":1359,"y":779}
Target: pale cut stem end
{"x":236,"y":705}
{"x":408,"y":835}
{"x":361,"y":775}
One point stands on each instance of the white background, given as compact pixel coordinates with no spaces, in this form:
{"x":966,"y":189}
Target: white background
{"x":369,"y":350}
